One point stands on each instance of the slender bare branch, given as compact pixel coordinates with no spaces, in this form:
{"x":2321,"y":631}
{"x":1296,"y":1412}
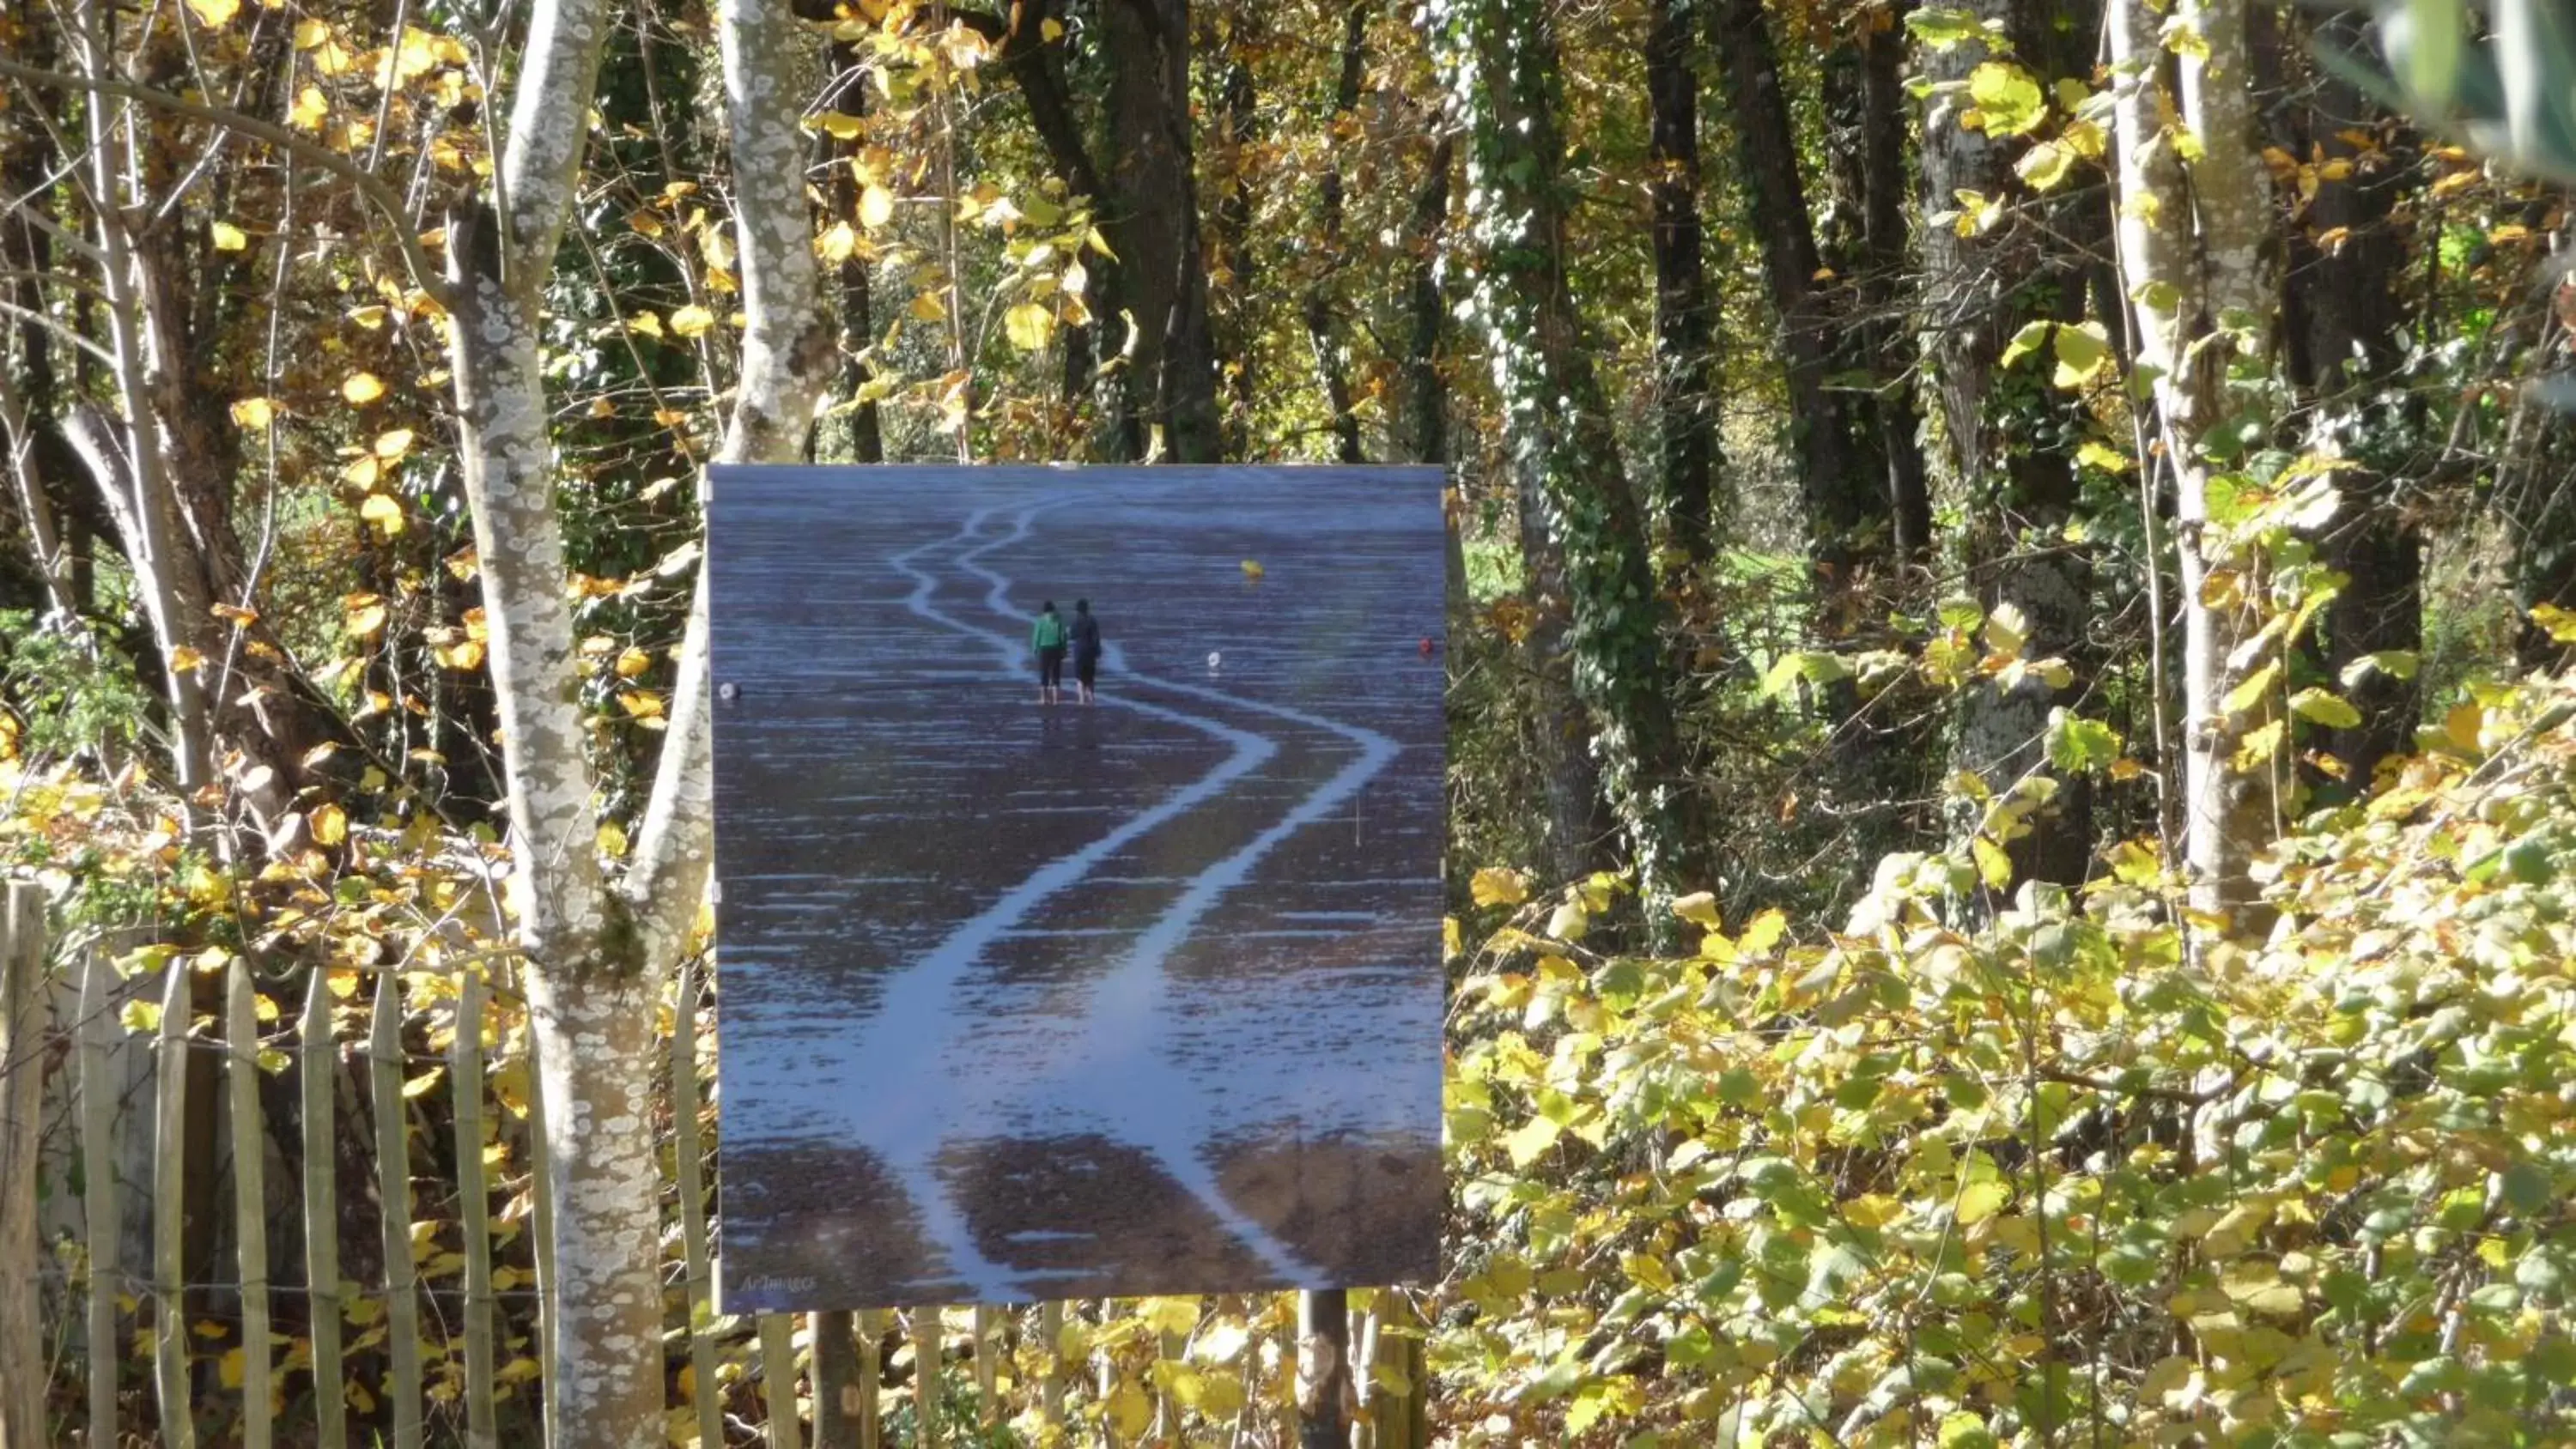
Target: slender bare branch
{"x":424,"y":272}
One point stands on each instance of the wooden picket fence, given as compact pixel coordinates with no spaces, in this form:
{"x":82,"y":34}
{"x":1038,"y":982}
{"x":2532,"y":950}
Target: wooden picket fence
{"x":68,"y":1035}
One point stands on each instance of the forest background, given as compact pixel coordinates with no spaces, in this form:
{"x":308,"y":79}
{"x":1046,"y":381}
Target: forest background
{"x":2010,"y":779}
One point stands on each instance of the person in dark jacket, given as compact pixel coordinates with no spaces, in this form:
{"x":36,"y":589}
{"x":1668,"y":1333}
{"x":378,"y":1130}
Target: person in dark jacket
{"x":1046,"y":640}
{"x":1086,"y":647}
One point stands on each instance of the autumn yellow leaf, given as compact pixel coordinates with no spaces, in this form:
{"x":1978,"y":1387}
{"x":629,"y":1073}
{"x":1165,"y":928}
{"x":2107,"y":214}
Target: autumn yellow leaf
{"x":184,"y":659}
{"x":692,"y":320}
{"x":394,"y":444}
{"x":837,"y":243}
{"x":642,"y":704}
{"x":363,"y":614}
{"x":1029,"y":325}
{"x":1499,"y":886}
{"x":1699,"y":908}
{"x":384,"y":512}
{"x":926,"y":307}
{"x":254,"y":412}
{"x":330,"y":825}
{"x":362,"y":388}
{"x":612,"y":840}
{"x":876,"y":206}
{"x":216,"y":14}
{"x":1979,"y":1200}
{"x":227,"y":237}
{"x":633,"y":662}
{"x":310,"y":110}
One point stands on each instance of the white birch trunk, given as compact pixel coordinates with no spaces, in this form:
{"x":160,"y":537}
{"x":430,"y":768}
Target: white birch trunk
{"x":596,"y":955}
{"x":2192,"y":238}
{"x":137,"y":483}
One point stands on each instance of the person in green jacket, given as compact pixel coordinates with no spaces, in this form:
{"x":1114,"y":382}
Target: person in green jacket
{"x":1046,"y":637}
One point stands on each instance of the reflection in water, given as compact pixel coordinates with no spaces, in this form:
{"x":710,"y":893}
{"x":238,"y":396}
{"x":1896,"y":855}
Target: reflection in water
{"x":1142,"y":997}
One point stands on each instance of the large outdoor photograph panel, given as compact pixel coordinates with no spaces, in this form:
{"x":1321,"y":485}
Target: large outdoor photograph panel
{"x":1023,"y":1000}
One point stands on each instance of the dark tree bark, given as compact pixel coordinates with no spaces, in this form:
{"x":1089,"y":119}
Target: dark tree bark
{"x":2011,"y":437}
{"x":1841,"y":493}
{"x":1871,"y":255}
{"x":1234,"y":250}
{"x":1685,"y":348}
{"x":1153,"y":226}
{"x":862,"y":436}
{"x":2345,"y":325}
{"x":1501,"y":63}
{"x":1426,"y":389}
{"x":1036,"y":66}
{"x":1323,"y":323}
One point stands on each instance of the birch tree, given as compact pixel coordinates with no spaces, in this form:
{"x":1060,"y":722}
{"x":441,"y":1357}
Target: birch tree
{"x":2194,"y":219}
{"x":597,"y":946}
{"x":597,"y":949}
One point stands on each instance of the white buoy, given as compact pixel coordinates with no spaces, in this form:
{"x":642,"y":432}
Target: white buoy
{"x":1214,"y":659}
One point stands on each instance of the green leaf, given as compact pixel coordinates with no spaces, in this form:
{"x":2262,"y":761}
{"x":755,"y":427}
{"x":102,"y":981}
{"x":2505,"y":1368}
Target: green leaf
{"x":2395,"y":663}
{"x":1941,"y":28}
{"x":2046,"y":165}
{"x":1699,"y":907}
{"x":2094,"y":453}
{"x":1978,"y":1201}
{"x":2326,"y":708}
{"x":1994,"y":867}
{"x":2024,"y":343}
{"x":2083,"y":350}
{"x":2012,"y":101}
{"x":2077,"y":744}
{"x":2007,"y":630}
{"x":2249,"y":692}
{"x":1526,"y":1142}
{"x":1029,"y":325}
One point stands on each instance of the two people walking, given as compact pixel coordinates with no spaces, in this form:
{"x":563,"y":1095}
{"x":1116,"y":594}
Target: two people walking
{"x":1050,"y":637}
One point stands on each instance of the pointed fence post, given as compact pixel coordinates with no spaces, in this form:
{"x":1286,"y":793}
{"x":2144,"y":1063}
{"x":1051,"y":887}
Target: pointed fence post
{"x":250,"y":1198}
{"x":318,"y":1063}
{"x":1051,"y":1392}
{"x":925,"y":1377}
{"x":988,"y":1405}
{"x":169,"y":1214}
{"x":871,"y":1379}
{"x":23,"y":1020}
{"x":393,"y":1190}
{"x":778,"y":1380}
{"x":100,"y":1198}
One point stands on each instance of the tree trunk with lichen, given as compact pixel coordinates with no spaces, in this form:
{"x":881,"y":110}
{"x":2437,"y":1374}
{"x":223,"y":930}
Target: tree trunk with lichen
{"x":2192,"y":262}
{"x":598,"y":950}
{"x":2011,"y":436}
{"x":1498,"y":64}
{"x":1686,"y":404}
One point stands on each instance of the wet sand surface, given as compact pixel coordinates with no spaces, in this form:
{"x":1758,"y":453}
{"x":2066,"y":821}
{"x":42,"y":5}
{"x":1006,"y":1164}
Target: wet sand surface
{"x":1022,"y":1002}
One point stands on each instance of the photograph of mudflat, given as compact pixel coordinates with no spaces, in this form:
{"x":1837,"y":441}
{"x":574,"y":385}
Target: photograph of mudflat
{"x":1078,"y":840}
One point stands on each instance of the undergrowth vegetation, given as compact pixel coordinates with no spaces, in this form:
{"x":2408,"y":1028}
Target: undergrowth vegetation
{"x":2063,"y":1168}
